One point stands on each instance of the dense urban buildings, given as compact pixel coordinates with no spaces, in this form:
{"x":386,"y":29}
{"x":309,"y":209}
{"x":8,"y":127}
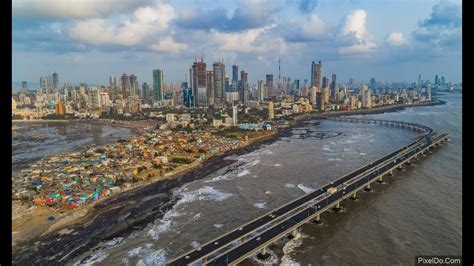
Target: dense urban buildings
{"x":211,"y":89}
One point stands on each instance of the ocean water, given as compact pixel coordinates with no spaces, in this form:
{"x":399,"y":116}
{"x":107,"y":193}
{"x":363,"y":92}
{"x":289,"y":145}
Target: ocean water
{"x":32,"y":141}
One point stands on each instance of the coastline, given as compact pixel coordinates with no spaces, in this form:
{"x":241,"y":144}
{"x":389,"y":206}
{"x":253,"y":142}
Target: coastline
{"x":33,"y":226}
{"x":88,"y":224}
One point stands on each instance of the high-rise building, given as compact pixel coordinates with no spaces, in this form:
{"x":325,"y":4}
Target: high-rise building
{"x":219,"y":81}
{"x":269,"y":84}
{"x":55,"y":81}
{"x":314,"y":90}
{"x":320,"y":101}
{"x":428,"y":92}
{"x":24,"y":85}
{"x":125,"y":82}
{"x":333,"y":86}
{"x":210,"y":88}
{"x":188,"y":98}
{"x":46,"y":84}
{"x":316,"y":74}
{"x":235,"y":73}
{"x":158,"y":85}
{"x":244,"y":86}
{"x":146,"y":91}
{"x":419,"y":81}
{"x":366,"y":97}
{"x":198,"y":75}
{"x":234,"y":116}
{"x":271,"y":111}
{"x":436,"y":80}
{"x":325,"y":82}
{"x":261,"y":90}
{"x":112,"y":81}
{"x":94,"y":99}
{"x":133,"y":85}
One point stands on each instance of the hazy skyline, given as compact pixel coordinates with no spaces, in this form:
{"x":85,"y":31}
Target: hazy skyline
{"x":90,"y":40}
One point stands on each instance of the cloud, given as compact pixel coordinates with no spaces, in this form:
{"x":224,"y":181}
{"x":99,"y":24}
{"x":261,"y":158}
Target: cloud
{"x":395,"y":39}
{"x":67,"y":9}
{"x":442,"y":29}
{"x":312,"y":30}
{"x":145,"y":23}
{"x":167,"y":44}
{"x":307,"y":6}
{"x":444,"y":14}
{"x":353,"y":36}
{"x":249,"y":15}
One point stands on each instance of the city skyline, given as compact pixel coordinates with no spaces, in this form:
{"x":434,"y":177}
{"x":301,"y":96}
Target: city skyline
{"x":250,"y":34}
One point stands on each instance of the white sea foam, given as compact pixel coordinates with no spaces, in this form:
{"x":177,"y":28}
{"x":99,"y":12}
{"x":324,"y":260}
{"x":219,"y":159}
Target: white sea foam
{"x":218,"y":225}
{"x":288,"y":248}
{"x":195,"y":244}
{"x":327,"y":149}
{"x":268,"y":192}
{"x":361,"y":153}
{"x":260,"y":205}
{"x":289,"y":185}
{"x":334,"y":159}
{"x":305,"y":188}
{"x":243,"y":173}
{"x":155,"y":232}
{"x":157,"y":257}
{"x":277,"y":165}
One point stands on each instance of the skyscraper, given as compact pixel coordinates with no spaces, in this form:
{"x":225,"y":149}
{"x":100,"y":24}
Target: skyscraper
{"x":55,"y":81}
{"x":46,"y":84}
{"x":419,"y":81}
{"x":210,"y":88}
{"x":269,"y":84}
{"x":24,"y":85}
{"x":244,"y":86}
{"x":158,"y":85}
{"x":146,"y":91}
{"x":235,"y":73}
{"x":133,"y":85}
{"x":219,"y":81}
{"x":260,"y":90}
{"x":325,"y":82}
{"x":199,"y":82}
{"x":333,"y":86}
{"x":316,"y":74}
{"x":124,"y":80}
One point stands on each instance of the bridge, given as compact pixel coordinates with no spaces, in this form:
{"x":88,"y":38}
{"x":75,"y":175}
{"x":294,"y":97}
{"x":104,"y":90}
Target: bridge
{"x":256,"y":235}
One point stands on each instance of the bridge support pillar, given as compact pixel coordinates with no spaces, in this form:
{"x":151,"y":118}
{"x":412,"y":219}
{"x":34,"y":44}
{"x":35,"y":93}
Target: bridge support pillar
{"x":317,"y":220}
{"x":354,"y":196}
{"x":408,"y":162}
{"x":380,"y":179}
{"x":338,"y":207}
{"x":263,"y":255}
{"x":391,"y":172}
{"x":400,"y":167}
{"x":367,"y":188}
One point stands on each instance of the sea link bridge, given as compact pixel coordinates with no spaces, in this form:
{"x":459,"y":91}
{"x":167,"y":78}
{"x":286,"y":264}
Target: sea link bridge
{"x":255,"y":236}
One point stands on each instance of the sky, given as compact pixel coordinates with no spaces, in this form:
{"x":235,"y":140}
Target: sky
{"x":88,"y":40}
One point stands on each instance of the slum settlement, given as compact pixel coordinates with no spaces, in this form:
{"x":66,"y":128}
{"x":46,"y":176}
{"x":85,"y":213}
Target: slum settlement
{"x":79,"y":178}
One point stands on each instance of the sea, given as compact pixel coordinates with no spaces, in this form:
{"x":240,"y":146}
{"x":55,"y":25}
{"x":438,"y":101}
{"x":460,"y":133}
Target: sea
{"x":415,"y":212}
{"x":34,"y":140}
